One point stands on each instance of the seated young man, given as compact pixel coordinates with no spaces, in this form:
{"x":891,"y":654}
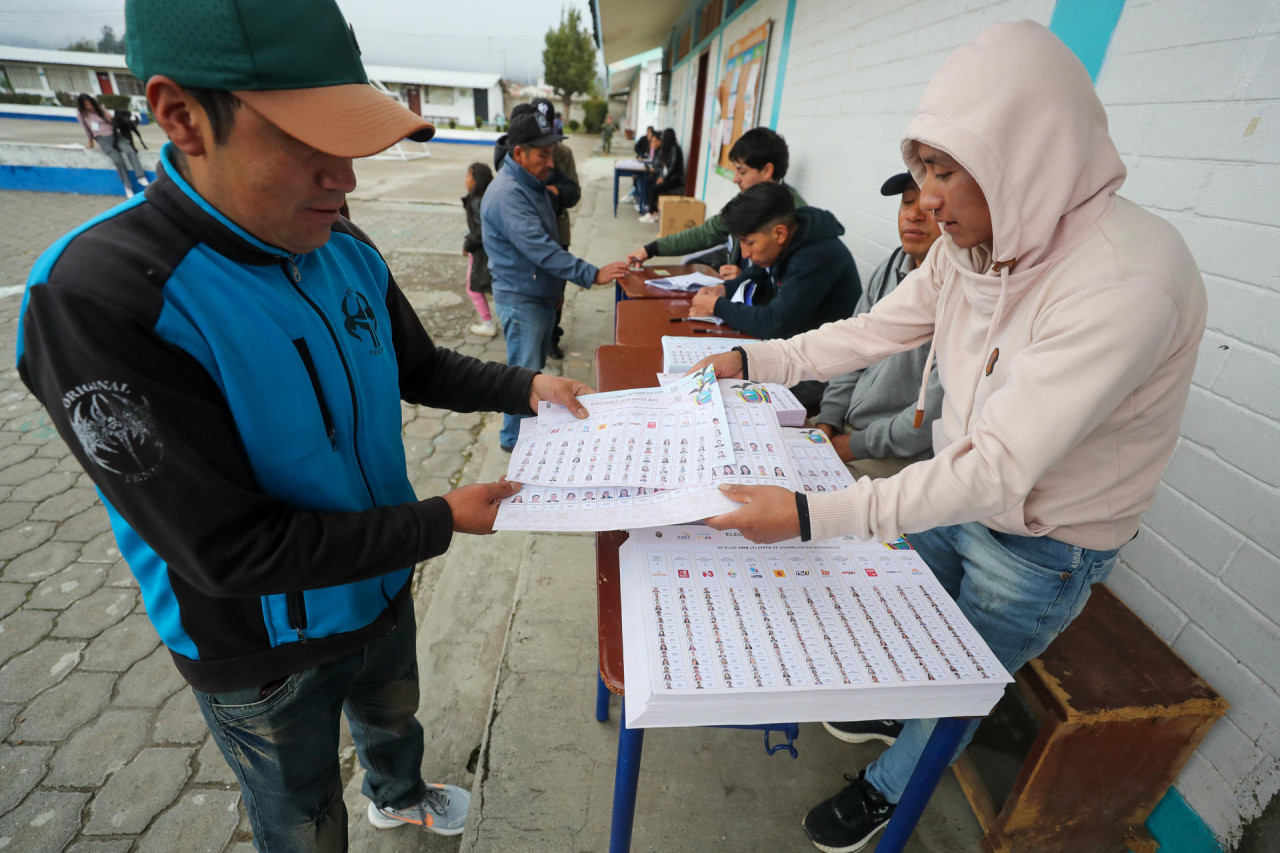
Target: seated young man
{"x":869,"y":414}
{"x":800,"y":275}
{"x":759,"y":155}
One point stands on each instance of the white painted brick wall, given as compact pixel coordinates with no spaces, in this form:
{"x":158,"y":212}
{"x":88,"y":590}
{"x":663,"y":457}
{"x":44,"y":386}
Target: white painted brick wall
{"x":1192,"y":90}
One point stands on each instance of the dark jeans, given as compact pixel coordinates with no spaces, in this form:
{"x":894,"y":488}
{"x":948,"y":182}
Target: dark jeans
{"x":284,"y":748}
{"x":661,"y":187}
{"x":526,"y":327}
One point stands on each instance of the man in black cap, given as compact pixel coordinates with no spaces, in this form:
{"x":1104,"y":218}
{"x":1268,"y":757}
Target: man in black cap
{"x":227,"y":356}
{"x":527,"y":262}
{"x":869,"y":414}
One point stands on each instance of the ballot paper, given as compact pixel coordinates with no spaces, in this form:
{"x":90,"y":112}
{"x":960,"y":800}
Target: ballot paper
{"x":689,"y":281}
{"x":747,"y":447}
{"x":717,"y":630}
{"x":679,"y":354}
{"x":661,"y":438}
{"x":790,"y":411}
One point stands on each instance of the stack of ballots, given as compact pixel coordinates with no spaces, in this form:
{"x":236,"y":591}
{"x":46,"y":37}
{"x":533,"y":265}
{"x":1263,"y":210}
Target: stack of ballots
{"x":719,"y":631}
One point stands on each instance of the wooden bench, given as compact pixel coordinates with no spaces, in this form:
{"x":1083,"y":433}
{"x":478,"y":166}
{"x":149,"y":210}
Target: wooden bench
{"x":1112,"y":714}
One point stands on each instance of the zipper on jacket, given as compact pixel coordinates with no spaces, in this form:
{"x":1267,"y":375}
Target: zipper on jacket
{"x":297,"y":610}
{"x":304,"y":352}
{"x":290,"y":268}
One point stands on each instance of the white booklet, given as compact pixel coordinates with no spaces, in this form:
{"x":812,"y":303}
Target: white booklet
{"x":679,"y":354}
{"x":719,"y":631}
{"x":748,"y":447}
{"x":790,"y":411}
{"x":688,"y":281}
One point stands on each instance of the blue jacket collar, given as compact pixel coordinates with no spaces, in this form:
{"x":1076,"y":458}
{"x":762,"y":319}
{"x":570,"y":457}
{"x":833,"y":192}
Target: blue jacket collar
{"x":521,"y":174}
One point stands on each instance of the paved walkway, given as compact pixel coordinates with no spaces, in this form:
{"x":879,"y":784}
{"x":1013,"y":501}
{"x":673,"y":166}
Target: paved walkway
{"x":102,"y":748}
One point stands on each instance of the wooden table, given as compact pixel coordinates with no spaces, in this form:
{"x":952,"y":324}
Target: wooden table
{"x":643,"y":322}
{"x":632,"y":285}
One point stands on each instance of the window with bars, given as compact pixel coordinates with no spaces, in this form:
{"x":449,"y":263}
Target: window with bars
{"x":127,"y":84}
{"x":68,"y":79}
{"x":440,"y":95}
{"x":24,"y":77}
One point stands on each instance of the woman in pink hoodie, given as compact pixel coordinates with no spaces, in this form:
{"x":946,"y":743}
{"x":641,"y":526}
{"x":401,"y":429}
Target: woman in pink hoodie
{"x":1065,"y":322}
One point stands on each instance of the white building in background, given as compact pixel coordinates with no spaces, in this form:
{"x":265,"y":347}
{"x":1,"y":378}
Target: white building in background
{"x":465,"y":97}
{"x":635,"y":86}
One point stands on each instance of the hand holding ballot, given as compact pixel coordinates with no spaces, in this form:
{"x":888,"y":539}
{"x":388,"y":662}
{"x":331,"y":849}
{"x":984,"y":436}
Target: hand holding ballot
{"x":474,"y":507}
{"x":727,"y":365}
{"x":610,"y":273}
{"x":559,"y":389}
{"x":768,"y":513}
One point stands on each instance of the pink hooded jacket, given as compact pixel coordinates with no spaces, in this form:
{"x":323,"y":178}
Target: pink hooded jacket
{"x":1065,"y":348}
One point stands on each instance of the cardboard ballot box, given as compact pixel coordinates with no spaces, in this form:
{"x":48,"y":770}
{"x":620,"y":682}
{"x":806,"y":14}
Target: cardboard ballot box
{"x":678,"y":212}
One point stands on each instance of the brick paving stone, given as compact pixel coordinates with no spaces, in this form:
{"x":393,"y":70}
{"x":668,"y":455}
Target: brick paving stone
{"x":101,"y":549}
{"x":416,"y":450}
{"x":11,"y":597}
{"x":70,"y":463}
{"x":242,"y":847}
{"x":462,"y":420}
{"x":65,"y":707}
{"x":22,"y":630}
{"x":453,"y":441}
{"x":15,"y":453}
{"x":9,"y":438}
{"x":139,"y":791}
{"x":64,"y":506}
{"x":121,"y":646}
{"x":121,"y":576}
{"x":41,"y":562}
{"x":46,"y":820}
{"x":68,"y":586}
{"x":8,"y":714}
{"x":424,"y":428}
{"x":99,"y":749}
{"x":90,"y":616}
{"x":179,"y":720}
{"x":13,"y":512}
{"x":38,"y":668}
{"x":84,"y":526}
{"x":21,"y":769}
{"x":24,"y":537}
{"x":202,"y":822}
{"x":42,"y":488}
{"x":16,"y":475}
{"x":87,"y":846}
{"x":211,"y":766}
{"x":54,"y":448}
{"x":149,"y":682}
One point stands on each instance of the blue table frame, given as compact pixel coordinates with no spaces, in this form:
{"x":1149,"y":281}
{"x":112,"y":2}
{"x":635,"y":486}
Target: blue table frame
{"x":619,"y":171}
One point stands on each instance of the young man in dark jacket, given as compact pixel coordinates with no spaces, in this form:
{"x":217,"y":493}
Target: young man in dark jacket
{"x":801,"y":274}
{"x":226,"y":356}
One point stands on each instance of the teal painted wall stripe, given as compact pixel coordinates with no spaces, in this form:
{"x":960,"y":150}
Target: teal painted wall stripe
{"x":1179,"y":829}
{"x":781,"y":76}
{"x":1086,"y":26}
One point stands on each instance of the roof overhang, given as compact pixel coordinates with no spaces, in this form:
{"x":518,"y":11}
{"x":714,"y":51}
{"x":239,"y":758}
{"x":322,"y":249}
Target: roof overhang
{"x":628,"y":27}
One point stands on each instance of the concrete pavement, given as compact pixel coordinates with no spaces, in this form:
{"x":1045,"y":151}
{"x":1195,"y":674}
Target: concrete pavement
{"x":102,"y":746}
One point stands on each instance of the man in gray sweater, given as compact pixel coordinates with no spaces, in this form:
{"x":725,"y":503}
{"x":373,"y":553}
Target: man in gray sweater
{"x":869,"y":414}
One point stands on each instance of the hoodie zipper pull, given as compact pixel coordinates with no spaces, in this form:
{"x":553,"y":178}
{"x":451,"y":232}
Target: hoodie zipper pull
{"x":293,"y":268}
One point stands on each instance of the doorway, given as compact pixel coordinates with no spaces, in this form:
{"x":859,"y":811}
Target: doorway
{"x":104,"y":83}
{"x":415,"y":100}
{"x":695,"y":139}
{"x":481,"y":98}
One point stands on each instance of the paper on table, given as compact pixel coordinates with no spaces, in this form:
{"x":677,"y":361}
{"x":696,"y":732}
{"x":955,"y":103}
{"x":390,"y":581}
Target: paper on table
{"x":789,"y":410}
{"x":718,"y":631}
{"x":688,"y":281}
{"x":680,"y":353}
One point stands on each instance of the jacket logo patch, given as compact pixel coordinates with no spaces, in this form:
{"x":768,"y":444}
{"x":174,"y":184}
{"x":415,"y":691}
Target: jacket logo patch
{"x":115,"y":427}
{"x":991,"y":362}
{"x":360,"y":319}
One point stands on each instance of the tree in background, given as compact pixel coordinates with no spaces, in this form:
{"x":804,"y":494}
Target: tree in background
{"x":84,"y":45}
{"x":569,"y":59}
{"x":109,"y":43}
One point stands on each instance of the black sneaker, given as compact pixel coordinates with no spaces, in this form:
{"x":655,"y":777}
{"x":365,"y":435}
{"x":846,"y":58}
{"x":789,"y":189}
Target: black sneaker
{"x":866,"y":730}
{"x":556,"y":352}
{"x":847,"y":821}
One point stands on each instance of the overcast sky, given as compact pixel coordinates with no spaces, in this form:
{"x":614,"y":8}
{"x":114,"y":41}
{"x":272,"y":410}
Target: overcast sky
{"x":462,"y":35}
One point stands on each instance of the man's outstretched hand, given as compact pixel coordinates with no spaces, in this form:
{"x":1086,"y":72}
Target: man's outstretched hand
{"x":768,"y":513}
{"x":475,"y":507}
{"x":611,"y":272}
{"x":559,"y":389}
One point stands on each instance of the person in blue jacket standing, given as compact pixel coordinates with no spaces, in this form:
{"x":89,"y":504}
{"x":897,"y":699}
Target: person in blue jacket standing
{"x":525,"y":257}
{"x":226,"y":356}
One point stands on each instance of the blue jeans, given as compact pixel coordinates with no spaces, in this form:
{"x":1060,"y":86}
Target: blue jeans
{"x":527,"y":328}
{"x":284,"y":749}
{"x":1018,"y":592}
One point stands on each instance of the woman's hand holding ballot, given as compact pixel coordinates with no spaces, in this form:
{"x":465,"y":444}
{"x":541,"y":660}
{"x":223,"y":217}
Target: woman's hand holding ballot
{"x":727,"y":365}
{"x":768,"y":513}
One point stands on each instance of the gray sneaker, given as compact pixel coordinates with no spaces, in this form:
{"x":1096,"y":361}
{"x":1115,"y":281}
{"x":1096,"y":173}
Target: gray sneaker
{"x":443,"y":810}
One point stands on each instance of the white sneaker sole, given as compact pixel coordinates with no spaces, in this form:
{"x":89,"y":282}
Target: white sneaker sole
{"x":861,"y":737}
{"x":380,"y":821}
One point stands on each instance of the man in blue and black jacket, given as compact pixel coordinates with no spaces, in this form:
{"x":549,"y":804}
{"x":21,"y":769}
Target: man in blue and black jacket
{"x":226,"y":356}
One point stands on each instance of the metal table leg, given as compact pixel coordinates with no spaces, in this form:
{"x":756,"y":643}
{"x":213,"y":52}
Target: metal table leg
{"x":625,"y":778}
{"x":942,"y":744}
{"x":602,"y":700}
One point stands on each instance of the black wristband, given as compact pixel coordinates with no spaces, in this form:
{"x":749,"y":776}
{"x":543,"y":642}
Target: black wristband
{"x":740,"y":351}
{"x":802,"y":509}
{"x":651,"y":249}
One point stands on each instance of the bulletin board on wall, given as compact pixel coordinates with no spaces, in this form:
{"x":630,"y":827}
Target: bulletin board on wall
{"x":737,"y":106}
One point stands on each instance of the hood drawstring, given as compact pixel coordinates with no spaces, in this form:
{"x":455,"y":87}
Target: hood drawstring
{"x":1003,"y":267}
{"x":928,"y":361}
